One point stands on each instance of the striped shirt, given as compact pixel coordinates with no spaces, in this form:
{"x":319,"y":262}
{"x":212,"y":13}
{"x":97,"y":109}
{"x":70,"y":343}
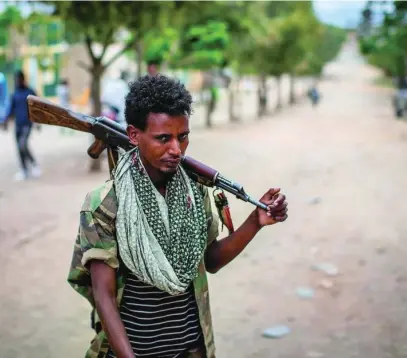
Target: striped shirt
{"x":157,"y":323}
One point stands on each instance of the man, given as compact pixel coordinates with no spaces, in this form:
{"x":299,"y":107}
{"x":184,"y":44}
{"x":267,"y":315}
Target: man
{"x":400,"y":98}
{"x":153,"y":68}
{"x":23,"y":126}
{"x":64,"y":94}
{"x":3,"y":95}
{"x":314,"y":95}
{"x":147,"y":237}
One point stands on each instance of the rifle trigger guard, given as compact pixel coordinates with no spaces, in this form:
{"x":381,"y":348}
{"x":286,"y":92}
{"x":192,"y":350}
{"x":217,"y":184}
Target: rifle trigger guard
{"x":220,"y":197}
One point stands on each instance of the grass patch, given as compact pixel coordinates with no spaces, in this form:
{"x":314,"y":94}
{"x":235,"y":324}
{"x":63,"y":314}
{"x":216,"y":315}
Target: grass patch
{"x":383,"y":81}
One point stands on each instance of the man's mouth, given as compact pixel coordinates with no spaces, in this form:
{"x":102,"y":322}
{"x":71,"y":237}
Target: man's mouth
{"x":172,"y":162}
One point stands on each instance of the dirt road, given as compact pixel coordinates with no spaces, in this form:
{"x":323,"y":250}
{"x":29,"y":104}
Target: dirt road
{"x":342,"y":166}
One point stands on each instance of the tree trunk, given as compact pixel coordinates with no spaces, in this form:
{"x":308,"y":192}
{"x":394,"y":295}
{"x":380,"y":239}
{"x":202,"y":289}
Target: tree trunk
{"x":262,"y":96}
{"x":279,"y":103}
{"x":95,"y":93}
{"x":238,"y":102}
{"x":139,"y":54}
{"x":232,"y":97}
{"x":15,"y":49}
{"x":292,"y":89}
{"x":210,"y":108}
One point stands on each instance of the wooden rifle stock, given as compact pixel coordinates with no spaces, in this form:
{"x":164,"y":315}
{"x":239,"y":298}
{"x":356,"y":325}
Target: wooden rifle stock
{"x":111,"y":136}
{"x":43,"y":111}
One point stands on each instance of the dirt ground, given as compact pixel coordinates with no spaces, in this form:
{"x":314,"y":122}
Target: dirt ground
{"x":342,"y":167}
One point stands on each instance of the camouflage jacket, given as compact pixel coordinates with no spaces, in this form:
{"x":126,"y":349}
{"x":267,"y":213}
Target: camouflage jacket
{"x":96,"y":240}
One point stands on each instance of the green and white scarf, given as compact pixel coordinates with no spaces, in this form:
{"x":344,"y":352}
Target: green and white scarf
{"x":160,"y":240}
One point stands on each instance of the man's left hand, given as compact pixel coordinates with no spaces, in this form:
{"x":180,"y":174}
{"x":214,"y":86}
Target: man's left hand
{"x":277,"y":208}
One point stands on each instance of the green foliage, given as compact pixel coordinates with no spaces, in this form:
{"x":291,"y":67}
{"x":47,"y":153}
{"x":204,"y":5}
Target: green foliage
{"x":95,"y":19}
{"x":108,"y":22}
{"x":385,"y":45}
{"x":280,"y":40}
{"x":203,"y":46}
{"x":210,"y":32}
{"x":10,"y":18}
{"x":330,"y":41}
{"x":272,"y":37}
{"x":158,"y":45}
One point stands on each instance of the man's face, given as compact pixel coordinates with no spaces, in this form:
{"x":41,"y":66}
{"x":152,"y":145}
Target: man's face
{"x":162,"y":143}
{"x":20,"y":81}
{"x":152,"y":69}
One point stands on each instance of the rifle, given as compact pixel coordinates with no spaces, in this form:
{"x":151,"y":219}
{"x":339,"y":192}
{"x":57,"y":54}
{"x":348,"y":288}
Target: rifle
{"x":111,"y":136}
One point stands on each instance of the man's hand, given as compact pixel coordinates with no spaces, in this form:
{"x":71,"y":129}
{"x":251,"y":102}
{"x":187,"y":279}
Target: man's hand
{"x":220,"y":252}
{"x":277,"y":208}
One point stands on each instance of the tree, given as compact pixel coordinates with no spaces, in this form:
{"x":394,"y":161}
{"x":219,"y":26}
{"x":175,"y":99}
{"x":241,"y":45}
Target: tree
{"x":202,"y":47}
{"x":94,"y":22}
{"x":300,"y":30}
{"x":11,"y":24}
{"x":245,"y":20}
{"x":276,"y":44}
{"x":209,"y":32}
{"x":209,"y":37}
{"x":324,"y":49}
{"x":203,"y":39}
{"x":385,"y":45}
{"x":160,"y":45}
{"x":151,"y":20}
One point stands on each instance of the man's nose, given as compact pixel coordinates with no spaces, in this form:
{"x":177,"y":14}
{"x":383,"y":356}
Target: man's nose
{"x":175,"y":148}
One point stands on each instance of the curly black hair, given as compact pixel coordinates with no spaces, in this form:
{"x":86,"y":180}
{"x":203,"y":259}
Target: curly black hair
{"x":156,"y":94}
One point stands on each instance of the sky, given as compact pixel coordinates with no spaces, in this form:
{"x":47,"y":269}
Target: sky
{"x":341,"y":13}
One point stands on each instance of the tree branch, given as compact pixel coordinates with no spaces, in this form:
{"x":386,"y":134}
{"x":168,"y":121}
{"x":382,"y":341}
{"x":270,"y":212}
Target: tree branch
{"x":88,"y":42}
{"x":83,"y":65}
{"x":117,"y":55}
{"x":106,"y":43}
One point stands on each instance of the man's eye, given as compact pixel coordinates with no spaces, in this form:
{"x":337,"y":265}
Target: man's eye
{"x":162,"y":138}
{"x":183,"y":136}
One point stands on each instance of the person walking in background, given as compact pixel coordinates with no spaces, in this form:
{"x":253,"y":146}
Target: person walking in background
{"x":23,"y":126}
{"x":3,"y":95}
{"x":63,"y":93}
{"x":153,"y":68}
{"x":400,"y":99}
{"x":110,"y":111}
{"x":314,"y":95}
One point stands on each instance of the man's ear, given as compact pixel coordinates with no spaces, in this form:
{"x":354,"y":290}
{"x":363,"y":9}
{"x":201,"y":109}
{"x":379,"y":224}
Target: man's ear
{"x":133,"y":134}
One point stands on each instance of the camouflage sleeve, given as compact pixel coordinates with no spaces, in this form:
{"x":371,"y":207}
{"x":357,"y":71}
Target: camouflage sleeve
{"x":211,"y":217}
{"x":97,"y":226}
{"x":96,"y":238}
